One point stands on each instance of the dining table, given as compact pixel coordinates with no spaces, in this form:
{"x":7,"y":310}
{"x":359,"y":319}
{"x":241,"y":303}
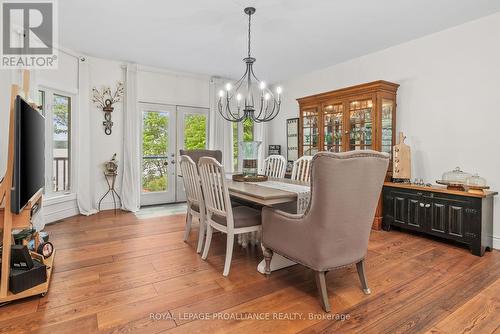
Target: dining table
{"x":276,"y":197}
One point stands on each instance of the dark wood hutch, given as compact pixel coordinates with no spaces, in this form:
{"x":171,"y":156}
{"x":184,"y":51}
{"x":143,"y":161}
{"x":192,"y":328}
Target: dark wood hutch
{"x":354,"y":118}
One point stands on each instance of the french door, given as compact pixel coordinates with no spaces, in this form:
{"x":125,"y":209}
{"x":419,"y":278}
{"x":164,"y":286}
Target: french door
{"x":165,"y":130}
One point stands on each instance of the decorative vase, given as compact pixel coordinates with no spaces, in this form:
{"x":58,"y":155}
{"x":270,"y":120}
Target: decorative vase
{"x":249,"y":153}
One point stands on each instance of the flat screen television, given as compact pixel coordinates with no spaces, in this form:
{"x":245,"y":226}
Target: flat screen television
{"x":29,"y":154}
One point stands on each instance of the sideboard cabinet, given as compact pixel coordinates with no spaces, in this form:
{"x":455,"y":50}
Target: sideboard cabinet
{"x":450,"y":214}
{"x":354,"y":118}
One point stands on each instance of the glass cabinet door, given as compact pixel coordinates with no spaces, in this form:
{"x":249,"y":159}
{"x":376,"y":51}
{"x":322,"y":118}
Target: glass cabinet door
{"x":310,"y":131}
{"x":387,"y":128}
{"x":333,"y":123}
{"x":361,"y":124}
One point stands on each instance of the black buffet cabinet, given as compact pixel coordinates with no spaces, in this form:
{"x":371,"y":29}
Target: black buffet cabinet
{"x":460,"y":216}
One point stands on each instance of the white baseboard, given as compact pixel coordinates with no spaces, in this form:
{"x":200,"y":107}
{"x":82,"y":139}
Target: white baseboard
{"x":55,"y":215}
{"x":58,"y":208}
{"x":496,"y":242}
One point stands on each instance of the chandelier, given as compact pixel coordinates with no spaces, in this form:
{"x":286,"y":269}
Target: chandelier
{"x":237,"y":102}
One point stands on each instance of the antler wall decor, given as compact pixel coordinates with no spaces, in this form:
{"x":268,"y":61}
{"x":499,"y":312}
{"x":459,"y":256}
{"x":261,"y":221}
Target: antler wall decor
{"x":105,"y":99}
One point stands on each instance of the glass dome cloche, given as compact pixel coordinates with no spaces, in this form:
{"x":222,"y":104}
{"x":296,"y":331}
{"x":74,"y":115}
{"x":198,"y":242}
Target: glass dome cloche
{"x":454,"y":179}
{"x":456,"y":176}
{"x":476,"y":181}
{"x":476,"y":184}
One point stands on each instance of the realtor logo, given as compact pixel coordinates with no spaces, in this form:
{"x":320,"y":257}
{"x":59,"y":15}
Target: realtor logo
{"x":29,"y":35}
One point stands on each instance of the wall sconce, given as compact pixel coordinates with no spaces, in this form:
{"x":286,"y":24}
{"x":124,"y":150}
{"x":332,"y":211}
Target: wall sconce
{"x":105,"y":99}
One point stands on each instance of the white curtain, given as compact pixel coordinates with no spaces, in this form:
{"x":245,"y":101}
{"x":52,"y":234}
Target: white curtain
{"x":131,"y":185}
{"x":260,"y":134}
{"x":220,"y":131}
{"x":84,"y":188}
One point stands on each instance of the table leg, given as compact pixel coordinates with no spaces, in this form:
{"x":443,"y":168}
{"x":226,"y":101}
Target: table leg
{"x":277,"y":262}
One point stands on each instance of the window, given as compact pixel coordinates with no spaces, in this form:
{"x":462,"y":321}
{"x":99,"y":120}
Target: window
{"x":245,"y":131}
{"x":57,"y":110}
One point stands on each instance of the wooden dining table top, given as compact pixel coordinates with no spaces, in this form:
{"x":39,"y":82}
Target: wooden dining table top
{"x":253,"y":192}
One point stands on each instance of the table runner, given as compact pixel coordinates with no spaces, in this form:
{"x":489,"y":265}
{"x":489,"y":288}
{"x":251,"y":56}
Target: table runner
{"x":302,"y":192}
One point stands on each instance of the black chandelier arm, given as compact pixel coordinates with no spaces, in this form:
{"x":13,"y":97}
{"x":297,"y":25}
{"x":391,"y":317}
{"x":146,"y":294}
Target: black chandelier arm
{"x":238,"y":83}
{"x":272,"y":115}
{"x":229,"y":113}
{"x":278,"y":104}
{"x":234,"y":120}
{"x":261,"y":106}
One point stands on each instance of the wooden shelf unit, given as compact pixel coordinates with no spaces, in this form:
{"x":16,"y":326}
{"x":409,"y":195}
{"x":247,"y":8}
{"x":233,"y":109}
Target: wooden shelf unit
{"x":9,"y":220}
{"x":354,"y":118}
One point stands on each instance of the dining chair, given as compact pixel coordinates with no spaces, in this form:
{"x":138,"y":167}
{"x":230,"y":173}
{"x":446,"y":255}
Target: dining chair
{"x":301,"y":169}
{"x":275,"y":166}
{"x":197,"y":154}
{"x":194,"y":199}
{"x":220,"y":215}
{"x":334,"y":230}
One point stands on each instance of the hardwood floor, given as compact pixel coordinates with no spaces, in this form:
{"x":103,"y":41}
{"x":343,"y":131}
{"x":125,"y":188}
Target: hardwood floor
{"x":134,"y":274}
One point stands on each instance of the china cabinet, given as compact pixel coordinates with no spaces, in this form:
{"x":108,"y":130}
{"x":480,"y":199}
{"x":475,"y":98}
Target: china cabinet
{"x":354,"y":118}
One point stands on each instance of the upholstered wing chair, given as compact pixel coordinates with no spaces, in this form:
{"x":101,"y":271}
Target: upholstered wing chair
{"x":334,"y":230}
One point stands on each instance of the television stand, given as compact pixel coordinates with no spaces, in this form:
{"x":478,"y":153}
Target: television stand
{"x":10,"y":221}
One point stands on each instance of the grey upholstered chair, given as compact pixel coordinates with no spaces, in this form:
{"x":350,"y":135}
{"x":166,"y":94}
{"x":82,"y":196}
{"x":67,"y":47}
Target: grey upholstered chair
{"x":197,"y":154}
{"x":334,"y":230}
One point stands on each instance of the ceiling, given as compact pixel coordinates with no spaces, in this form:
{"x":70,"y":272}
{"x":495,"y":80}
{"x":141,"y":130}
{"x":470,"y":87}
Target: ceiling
{"x":289,"y":37}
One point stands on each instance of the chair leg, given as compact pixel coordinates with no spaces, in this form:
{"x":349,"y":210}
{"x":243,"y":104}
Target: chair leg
{"x":208,"y":240}
{"x":362,"y":277}
{"x":268,"y":255}
{"x":201,"y":235}
{"x":323,"y":292}
{"x":189,"y":220}
{"x":229,"y":253}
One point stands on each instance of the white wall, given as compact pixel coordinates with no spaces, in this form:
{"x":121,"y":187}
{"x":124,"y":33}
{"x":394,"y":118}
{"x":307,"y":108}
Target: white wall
{"x":447,"y":102}
{"x":160,"y":86}
{"x":154,"y":85}
{"x":5,"y":82}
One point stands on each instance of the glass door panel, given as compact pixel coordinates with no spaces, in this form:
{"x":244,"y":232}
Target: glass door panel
{"x":333,"y":124}
{"x":158,"y":164}
{"x":192,"y":134}
{"x":387,"y":130}
{"x":310,"y":132}
{"x":361,"y":124}
{"x":61,"y":146}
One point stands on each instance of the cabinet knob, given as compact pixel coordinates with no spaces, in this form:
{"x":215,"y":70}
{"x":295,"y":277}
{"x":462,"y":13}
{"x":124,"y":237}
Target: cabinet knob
{"x":422,"y":205}
{"x":427,"y":205}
